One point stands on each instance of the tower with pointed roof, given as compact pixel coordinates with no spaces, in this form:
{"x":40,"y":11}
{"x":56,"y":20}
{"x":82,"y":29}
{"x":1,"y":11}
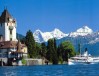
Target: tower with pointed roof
{"x":11,"y":49}
{"x":7,"y":27}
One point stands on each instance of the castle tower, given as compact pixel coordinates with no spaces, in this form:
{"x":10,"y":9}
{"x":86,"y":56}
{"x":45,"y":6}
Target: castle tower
{"x":7,"y":27}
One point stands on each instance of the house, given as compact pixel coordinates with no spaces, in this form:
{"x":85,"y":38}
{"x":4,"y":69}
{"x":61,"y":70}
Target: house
{"x":11,"y":49}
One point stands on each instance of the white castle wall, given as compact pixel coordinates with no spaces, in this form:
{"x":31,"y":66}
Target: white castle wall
{"x":4,"y":30}
{"x":7,"y":38}
{"x":14,"y":33}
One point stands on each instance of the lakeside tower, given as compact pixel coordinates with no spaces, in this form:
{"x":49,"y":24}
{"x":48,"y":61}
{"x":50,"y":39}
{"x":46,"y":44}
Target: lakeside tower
{"x":11,"y":50}
{"x":7,"y":27}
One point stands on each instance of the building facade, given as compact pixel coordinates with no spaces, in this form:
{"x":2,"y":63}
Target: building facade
{"x":11,"y":49}
{"x":7,"y":27}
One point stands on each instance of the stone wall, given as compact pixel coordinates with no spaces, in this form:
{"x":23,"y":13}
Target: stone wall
{"x":31,"y":61}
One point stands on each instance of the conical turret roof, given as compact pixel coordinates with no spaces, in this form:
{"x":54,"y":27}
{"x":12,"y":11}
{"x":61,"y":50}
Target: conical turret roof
{"x":5,"y":16}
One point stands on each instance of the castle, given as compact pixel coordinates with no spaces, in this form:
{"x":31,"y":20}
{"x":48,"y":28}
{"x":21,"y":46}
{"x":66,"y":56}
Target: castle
{"x":11,"y":49}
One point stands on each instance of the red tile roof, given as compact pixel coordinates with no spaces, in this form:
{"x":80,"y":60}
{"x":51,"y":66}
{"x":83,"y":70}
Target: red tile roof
{"x":10,"y":44}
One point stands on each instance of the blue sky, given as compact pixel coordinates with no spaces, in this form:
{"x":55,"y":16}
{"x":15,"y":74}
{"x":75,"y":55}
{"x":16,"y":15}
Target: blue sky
{"x":66,"y":15}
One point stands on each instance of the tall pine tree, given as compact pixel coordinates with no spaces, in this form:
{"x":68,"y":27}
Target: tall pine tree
{"x":30,"y":42}
{"x":44,"y":50}
{"x":52,"y":52}
{"x":49,"y":50}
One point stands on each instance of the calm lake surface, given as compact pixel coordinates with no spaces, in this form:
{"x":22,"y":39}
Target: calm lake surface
{"x":51,"y":70}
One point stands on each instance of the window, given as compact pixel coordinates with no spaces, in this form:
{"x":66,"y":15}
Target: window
{"x":10,"y":39}
{"x":10,"y":32}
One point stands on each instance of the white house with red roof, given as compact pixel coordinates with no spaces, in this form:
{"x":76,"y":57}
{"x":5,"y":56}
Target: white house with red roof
{"x":11,"y":49}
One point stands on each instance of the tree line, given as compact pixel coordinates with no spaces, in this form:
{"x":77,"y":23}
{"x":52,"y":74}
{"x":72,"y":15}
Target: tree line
{"x":50,"y":51}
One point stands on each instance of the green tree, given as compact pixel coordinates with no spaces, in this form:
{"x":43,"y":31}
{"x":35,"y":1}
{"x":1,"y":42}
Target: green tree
{"x":55,"y":55}
{"x":52,"y":52}
{"x":49,"y":50}
{"x":60,"y":54}
{"x":66,"y":49}
{"x":38,"y":50}
{"x":55,"y":46}
{"x":44,"y":50}
{"x":30,"y":42}
{"x":23,"y":61}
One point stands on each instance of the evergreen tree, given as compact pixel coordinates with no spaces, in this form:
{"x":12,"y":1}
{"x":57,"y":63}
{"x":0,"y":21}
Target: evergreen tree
{"x":38,"y":50}
{"x":52,"y":52}
{"x":55,"y":55}
{"x":66,"y":49}
{"x":30,"y":42}
{"x":60,"y":53}
{"x":49,"y":48}
{"x":55,"y":46}
{"x":44,"y":50}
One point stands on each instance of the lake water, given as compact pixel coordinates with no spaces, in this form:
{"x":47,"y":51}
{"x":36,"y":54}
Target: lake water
{"x":51,"y":70}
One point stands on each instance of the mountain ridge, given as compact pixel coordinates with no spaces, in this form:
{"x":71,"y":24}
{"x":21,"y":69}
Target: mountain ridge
{"x":40,"y":36}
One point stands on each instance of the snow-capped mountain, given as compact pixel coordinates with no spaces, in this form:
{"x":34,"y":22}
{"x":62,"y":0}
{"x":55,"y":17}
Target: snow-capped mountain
{"x":85,"y":30}
{"x":40,"y":36}
{"x":85,"y":34}
{"x":58,"y":34}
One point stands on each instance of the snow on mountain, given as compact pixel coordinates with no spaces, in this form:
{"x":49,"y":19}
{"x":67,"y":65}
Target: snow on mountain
{"x":40,"y":36}
{"x":47,"y":36}
{"x":87,"y":35}
{"x":94,"y":41}
{"x":85,"y":30}
{"x":95,"y":38}
{"x":58,"y":34}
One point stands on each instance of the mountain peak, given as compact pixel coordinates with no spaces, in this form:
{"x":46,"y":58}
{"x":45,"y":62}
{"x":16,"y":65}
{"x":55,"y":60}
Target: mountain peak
{"x":85,"y":26}
{"x":38,"y":36}
{"x":58,"y":34}
{"x":85,"y":30}
{"x":45,"y":36}
{"x":38,"y":30}
{"x":56,"y":30}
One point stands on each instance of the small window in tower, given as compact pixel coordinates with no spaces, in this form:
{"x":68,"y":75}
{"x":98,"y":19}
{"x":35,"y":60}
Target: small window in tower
{"x":10,"y":32}
{"x":10,"y":39}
